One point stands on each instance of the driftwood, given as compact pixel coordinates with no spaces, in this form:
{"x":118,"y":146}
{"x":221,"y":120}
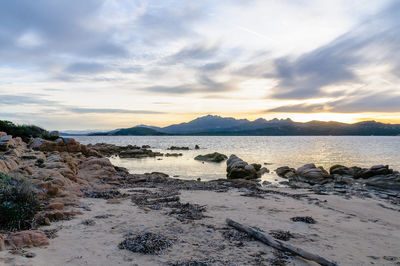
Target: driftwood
{"x":160,"y":200}
{"x":279,"y":245}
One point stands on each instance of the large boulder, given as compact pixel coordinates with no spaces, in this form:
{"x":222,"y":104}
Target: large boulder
{"x":285,"y":172}
{"x":311,"y":174}
{"x":237,"y":168}
{"x":340,"y":170}
{"x":30,"y":238}
{"x":215,"y":157}
{"x":373,"y":171}
{"x":385,"y":182}
{"x":5,"y":142}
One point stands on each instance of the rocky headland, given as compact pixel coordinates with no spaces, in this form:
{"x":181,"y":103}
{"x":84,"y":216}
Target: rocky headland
{"x":91,"y":212}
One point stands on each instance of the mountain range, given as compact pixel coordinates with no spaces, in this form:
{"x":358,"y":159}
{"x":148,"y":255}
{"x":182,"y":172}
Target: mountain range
{"x":228,"y":126}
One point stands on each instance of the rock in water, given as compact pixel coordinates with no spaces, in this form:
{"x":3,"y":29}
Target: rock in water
{"x":212,"y":157}
{"x":285,"y":172}
{"x":237,"y":168}
{"x":311,"y":174}
{"x":373,"y":171}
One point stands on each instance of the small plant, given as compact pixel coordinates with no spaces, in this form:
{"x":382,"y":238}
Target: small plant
{"x":18,"y":203}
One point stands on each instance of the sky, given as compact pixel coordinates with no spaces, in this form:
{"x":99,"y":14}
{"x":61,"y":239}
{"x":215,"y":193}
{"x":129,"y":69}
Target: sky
{"x":105,"y":64}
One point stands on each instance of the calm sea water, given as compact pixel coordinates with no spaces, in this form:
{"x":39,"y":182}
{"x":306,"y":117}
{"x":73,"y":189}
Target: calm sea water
{"x":276,"y":151}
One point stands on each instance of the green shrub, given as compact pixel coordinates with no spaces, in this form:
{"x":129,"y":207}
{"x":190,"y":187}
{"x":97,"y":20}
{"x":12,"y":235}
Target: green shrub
{"x":24,"y":131}
{"x":18,"y":203}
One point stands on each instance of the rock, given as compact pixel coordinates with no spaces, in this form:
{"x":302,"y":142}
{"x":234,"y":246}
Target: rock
{"x":266,"y":183}
{"x":30,"y":238}
{"x":5,"y":142}
{"x":348,"y":180}
{"x":173,"y":154}
{"x":29,"y":255}
{"x":385,"y":182}
{"x":237,"y":168}
{"x":340,"y":170}
{"x":2,"y":134}
{"x":256,"y":166}
{"x":211,"y":157}
{"x":178,"y":148}
{"x":262,"y":171}
{"x":54,"y":133}
{"x":2,"y":244}
{"x":311,"y":174}
{"x":285,"y":171}
{"x":196,"y":147}
{"x":373,"y":171}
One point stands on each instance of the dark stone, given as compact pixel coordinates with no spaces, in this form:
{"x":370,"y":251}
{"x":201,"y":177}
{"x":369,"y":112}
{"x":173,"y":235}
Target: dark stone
{"x":211,"y":157}
{"x":304,"y":219}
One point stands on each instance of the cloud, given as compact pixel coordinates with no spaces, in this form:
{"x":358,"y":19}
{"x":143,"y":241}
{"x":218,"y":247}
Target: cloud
{"x":79,"y":110}
{"x":25,"y":100}
{"x":374,"y":103}
{"x":212,"y":67}
{"x":372,"y":42}
{"x":37,"y":32}
{"x":170,"y":21}
{"x":203,"y":84}
{"x":298,"y":108}
{"x":86,"y":68}
{"x":192,"y":52}
{"x":379,"y":102}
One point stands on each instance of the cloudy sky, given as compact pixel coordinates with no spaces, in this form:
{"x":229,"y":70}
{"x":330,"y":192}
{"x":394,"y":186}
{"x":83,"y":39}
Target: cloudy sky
{"x":104,"y":64}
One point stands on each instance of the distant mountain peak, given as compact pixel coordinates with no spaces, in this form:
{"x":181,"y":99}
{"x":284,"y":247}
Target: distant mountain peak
{"x":217,"y":125}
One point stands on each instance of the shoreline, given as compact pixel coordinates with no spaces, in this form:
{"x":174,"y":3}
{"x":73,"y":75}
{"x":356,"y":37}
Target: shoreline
{"x":100,"y":205}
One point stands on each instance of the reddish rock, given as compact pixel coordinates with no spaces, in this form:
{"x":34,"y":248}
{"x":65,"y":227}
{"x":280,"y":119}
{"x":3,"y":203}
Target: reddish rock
{"x":55,"y":206}
{"x":2,"y":244}
{"x":31,"y":238}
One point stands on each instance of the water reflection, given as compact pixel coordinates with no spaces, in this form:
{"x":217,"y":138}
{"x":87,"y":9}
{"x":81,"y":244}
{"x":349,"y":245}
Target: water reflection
{"x":277,"y":151}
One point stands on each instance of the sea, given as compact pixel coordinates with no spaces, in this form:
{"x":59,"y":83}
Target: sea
{"x":269,"y":151}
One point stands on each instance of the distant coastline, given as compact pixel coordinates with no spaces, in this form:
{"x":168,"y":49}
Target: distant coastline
{"x":226,"y":126}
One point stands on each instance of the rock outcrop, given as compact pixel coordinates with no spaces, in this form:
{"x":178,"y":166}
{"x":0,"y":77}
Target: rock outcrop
{"x":60,"y":170}
{"x":62,"y":145}
{"x":215,"y":157}
{"x":130,"y":151}
{"x":379,"y":178}
{"x":24,"y":239}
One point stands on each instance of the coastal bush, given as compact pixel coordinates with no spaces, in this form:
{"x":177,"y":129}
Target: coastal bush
{"x":18,"y":203}
{"x":24,"y":131}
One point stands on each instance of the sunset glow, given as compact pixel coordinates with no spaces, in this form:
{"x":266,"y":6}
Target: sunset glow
{"x":104,"y":64}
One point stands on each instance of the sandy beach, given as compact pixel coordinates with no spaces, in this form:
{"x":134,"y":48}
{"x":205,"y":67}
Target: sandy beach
{"x":348,"y":231}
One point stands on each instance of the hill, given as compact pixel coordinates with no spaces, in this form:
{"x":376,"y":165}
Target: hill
{"x":228,"y":126}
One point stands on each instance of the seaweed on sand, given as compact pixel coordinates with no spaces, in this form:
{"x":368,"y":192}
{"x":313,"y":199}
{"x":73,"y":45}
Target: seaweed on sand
{"x":146,"y":243}
{"x":304,"y":219}
{"x":281,"y":235}
{"x":187,"y":211}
